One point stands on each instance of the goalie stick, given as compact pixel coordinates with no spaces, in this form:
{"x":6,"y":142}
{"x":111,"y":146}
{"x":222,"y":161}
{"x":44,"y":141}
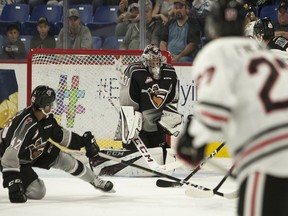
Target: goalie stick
{"x":164,"y":183}
{"x":149,"y":158}
{"x":191,"y":192}
{"x":142,"y":148}
{"x":190,"y":185}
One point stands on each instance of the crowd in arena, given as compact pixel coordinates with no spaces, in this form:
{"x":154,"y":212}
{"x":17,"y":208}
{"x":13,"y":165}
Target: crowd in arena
{"x":177,"y":26}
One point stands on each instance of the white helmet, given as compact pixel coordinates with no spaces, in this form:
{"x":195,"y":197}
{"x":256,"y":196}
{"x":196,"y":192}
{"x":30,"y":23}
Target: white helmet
{"x":152,"y":58}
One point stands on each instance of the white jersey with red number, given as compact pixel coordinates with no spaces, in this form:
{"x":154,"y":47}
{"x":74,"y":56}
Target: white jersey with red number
{"x":243,"y":97}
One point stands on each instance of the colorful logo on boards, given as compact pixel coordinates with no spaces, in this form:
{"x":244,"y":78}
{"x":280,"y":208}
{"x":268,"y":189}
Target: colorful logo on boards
{"x":72,"y":93}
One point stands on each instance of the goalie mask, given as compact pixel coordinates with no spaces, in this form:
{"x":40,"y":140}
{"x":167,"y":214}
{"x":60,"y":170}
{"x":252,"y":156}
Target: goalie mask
{"x":152,"y":58}
{"x":43,"y":97}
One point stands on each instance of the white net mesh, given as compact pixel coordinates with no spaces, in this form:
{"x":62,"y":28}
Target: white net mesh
{"x":79,"y":79}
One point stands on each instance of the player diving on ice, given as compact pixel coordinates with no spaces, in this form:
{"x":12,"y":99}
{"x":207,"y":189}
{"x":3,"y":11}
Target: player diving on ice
{"x":24,"y":144}
{"x":148,"y":109}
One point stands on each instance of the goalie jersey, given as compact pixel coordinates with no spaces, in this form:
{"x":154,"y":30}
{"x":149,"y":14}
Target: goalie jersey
{"x":243,"y":95}
{"x":147,"y":95}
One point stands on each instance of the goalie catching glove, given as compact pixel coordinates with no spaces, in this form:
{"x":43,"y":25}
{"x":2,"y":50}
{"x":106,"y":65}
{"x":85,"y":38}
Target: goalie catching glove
{"x":171,"y":121}
{"x":90,"y":144}
{"x":186,"y":150}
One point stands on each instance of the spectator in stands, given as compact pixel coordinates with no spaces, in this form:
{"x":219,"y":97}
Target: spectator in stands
{"x":250,"y":18}
{"x":181,"y":35}
{"x":60,"y":2}
{"x":4,"y":2}
{"x":79,"y":36}
{"x":163,"y":10}
{"x":126,"y":16}
{"x":14,"y":48}
{"x":55,"y":2}
{"x":44,"y":38}
{"x":131,"y":41}
{"x":199,"y":11}
{"x":281,"y":28}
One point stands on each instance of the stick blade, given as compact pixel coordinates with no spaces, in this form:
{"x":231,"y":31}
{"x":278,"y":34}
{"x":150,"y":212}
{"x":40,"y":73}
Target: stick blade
{"x":164,"y":184}
{"x":232,"y":195}
{"x":196,"y":193}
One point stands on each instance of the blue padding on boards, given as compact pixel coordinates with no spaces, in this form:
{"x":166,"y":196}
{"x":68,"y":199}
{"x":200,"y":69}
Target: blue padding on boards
{"x":8,"y":84}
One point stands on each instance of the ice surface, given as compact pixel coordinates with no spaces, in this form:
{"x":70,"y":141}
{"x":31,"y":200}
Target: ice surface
{"x":67,"y":195}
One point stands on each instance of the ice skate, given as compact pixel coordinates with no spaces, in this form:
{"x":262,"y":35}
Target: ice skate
{"x":106,"y":186}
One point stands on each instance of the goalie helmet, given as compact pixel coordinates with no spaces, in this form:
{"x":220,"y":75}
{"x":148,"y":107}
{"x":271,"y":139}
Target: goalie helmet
{"x":42,"y":96}
{"x":152,"y":58}
{"x":263,"y":29}
{"x":225,"y":19}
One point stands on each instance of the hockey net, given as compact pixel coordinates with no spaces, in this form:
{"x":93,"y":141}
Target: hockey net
{"x":84,"y":81}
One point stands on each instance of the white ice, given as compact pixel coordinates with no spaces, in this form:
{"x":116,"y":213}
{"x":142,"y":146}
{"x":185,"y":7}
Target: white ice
{"x":69,"y":196}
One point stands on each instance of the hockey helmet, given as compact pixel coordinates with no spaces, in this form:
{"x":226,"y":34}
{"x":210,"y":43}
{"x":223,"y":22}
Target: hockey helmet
{"x":42,"y":96}
{"x":263,"y":29}
{"x":225,"y":19}
{"x":153,"y":59}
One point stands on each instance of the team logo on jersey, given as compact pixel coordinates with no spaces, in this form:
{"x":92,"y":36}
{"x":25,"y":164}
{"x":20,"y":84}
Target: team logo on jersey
{"x":158,"y":96}
{"x":37,"y":148}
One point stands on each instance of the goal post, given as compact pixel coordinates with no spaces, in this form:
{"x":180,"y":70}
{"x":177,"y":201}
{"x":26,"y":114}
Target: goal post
{"x":79,"y":78}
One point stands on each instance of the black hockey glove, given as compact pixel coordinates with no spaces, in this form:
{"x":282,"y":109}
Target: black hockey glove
{"x":91,"y":146}
{"x":185,"y":149}
{"x":13,"y":182}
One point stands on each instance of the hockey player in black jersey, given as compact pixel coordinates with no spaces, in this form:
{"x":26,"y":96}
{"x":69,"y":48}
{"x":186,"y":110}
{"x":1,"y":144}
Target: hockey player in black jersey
{"x":264,"y":33}
{"x":150,"y":86}
{"x":24,"y":144}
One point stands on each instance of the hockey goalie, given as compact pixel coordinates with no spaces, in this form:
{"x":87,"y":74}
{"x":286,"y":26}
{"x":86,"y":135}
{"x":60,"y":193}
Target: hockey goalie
{"x":148,"y":114}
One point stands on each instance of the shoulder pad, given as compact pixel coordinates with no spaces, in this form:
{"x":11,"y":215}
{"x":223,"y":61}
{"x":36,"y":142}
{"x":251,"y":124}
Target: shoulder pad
{"x":133,"y":67}
{"x":168,"y":67}
{"x":136,"y":65}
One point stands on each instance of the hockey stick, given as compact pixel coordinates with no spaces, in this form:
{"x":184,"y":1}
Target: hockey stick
{"x":191,"y":192}
{"x":150,"y":160}
{"x":142,"y":148}
{"x":190,"y":185}
{"x":164,"y":183}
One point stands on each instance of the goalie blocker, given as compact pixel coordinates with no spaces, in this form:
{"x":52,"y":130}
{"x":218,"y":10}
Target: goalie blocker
{"x":171,"y":121}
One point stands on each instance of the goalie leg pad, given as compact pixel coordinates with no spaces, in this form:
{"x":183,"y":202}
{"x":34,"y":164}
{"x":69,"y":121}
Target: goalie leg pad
{"x":131,"y":123}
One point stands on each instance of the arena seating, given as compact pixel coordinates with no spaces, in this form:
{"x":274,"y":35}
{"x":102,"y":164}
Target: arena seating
{"x":52,"y":12}
{"x":26,"y":40}
{"x":85,"y":11}
{"x":14,"y":13}
{"x":97,"y":42}
{"x":104,"y":21}
{"x":269,"y":11}
{"x":112,"y":42}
